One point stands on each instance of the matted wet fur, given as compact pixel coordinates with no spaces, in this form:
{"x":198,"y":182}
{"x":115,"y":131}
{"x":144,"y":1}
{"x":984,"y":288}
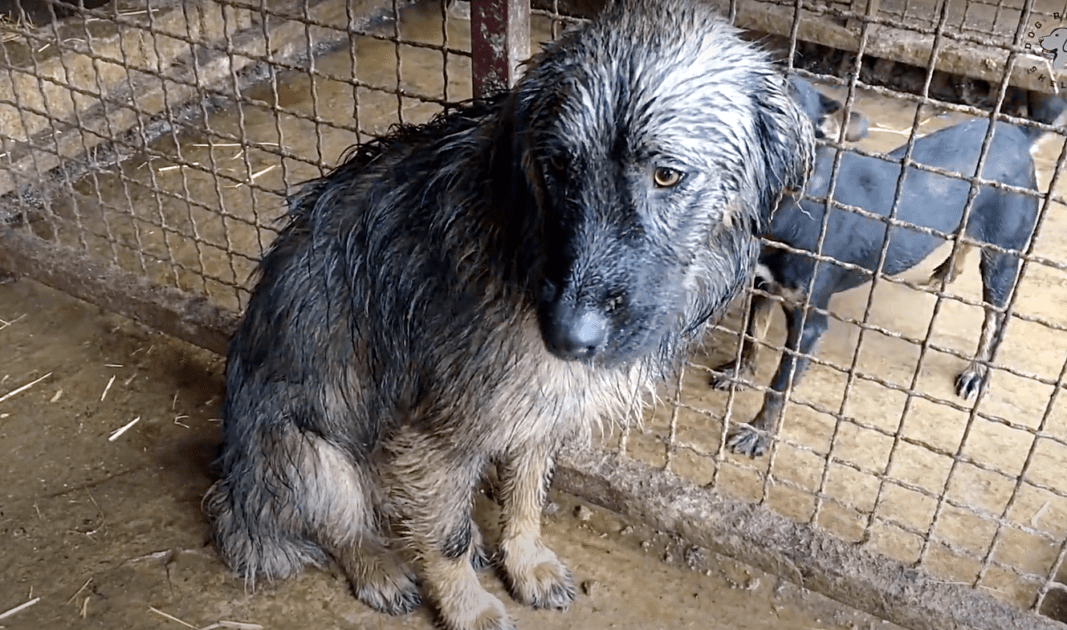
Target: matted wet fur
{"x":483,"y":287}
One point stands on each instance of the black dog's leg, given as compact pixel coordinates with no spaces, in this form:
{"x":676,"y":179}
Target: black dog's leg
{"x":753,"y":439}
{"x":759,"y":318}
{"x":534,"y":574}
{"x":950,"y":269}
{"x":969,"y":380}
{"x":998,"y":273}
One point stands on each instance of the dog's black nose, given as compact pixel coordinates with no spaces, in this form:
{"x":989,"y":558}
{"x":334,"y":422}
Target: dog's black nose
{"x":575,"y":333}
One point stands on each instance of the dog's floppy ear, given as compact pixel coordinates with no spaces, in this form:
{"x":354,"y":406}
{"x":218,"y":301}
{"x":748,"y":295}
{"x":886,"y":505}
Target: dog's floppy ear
{"x":829,"y":105}
{"x":1062,"y":33}
{"x":858,"y":128}
{"x":786,"y":144}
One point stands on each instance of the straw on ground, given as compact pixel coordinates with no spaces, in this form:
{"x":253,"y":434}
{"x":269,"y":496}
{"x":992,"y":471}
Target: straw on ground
{"x":19,"y":608}
{"x":23,"y":388}
{"x":123,"y":429}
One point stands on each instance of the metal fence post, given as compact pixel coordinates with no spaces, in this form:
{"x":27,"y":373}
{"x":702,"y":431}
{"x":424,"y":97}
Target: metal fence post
{"x":500,"y":40}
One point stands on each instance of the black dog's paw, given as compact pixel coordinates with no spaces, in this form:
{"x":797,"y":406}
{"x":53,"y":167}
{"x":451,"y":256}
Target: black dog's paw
{"x":723,"y":377}
{"x":745,"y":440}
{"x":968,"y":382}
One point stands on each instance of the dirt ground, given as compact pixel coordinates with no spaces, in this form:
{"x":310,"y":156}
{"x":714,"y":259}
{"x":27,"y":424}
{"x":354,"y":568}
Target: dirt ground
{"x":975,"y":501}
{"x":104,"y":531}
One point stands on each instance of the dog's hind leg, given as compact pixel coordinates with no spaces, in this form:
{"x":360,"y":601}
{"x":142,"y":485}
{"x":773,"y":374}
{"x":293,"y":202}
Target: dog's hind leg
{"x":998,"y":273}
{"x":534,"y":574}
{"x":431,"y":488}
{"x":379,"y":576}
{"x":970,"y":380}
{"x":759,"y":319}
{"x":291,"y":497}
{"x":950,"y":269}
{"x":753,"y":439}
{"x":343,"y":521}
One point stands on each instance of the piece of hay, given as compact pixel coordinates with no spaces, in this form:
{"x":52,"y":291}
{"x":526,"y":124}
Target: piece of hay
{"x":172,"y":618}
{"x":23,"y":388}
{"x":108,"y":387}
{"x":19,"y":608}
{"x":114,"y":436}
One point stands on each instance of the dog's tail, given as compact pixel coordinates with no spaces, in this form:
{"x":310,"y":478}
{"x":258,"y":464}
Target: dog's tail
{"x":1048,"y":109}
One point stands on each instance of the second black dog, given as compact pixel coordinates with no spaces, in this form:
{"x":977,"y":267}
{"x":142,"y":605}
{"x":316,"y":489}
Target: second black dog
{"x":998,"y":217}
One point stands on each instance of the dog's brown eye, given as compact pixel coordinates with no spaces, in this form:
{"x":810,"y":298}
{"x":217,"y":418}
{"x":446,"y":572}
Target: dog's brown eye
{"x":666,"y":177}
{"x":557,"y":164}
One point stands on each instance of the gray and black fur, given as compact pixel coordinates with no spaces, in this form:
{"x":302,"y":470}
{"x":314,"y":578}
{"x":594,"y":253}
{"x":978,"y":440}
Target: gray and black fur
{"x":998,"y":217}
{"x":483,"y":287}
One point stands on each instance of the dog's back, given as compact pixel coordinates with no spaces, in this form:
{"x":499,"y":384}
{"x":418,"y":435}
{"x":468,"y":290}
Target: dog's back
{"x":927,"y":199}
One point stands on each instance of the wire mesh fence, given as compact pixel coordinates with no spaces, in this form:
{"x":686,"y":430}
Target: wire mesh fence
{"x":157,"y":140}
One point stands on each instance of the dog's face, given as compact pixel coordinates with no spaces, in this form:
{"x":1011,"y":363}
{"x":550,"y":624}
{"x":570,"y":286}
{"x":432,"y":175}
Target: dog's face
{"x":1056,"y":41}
{"x":653,"y":146}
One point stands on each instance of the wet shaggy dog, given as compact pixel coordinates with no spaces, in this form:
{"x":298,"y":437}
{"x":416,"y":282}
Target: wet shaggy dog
{"x":477,"y":290}
{"x":998,"y":217}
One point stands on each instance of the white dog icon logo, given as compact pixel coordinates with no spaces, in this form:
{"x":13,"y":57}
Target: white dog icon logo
{"x":1056,"y":43}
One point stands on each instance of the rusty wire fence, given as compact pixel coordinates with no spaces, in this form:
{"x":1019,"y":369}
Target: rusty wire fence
{"x":146,"y":148}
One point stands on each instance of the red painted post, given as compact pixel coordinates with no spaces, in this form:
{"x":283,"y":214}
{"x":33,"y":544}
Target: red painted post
{"x":500,"y":40}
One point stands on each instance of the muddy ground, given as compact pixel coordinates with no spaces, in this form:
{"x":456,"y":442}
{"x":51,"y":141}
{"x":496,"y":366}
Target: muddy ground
{"x":104,"y":531}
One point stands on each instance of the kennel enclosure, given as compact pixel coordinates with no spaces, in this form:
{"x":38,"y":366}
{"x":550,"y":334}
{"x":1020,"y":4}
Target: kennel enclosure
{"x":146,"y":147}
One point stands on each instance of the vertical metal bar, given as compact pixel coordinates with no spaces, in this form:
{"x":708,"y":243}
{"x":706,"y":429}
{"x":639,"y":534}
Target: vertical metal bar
{"x":212,"y":135}
{"x":1013,"y":294}
{"x":500,"y":40}
{"x":863,"y":24}
{"x":398,"y":68}
{"x":772,"y":454}
{"x":353,"y":51}
{"x":80,"y":128}
{"x":313,"y":89}
{"x":869,"y":8}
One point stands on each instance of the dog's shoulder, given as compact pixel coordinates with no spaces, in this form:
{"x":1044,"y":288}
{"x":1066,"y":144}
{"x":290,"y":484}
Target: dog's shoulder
{"x":378,"y":170}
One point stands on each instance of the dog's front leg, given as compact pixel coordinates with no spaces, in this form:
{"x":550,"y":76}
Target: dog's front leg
{"x":431,"y":490}
{"x":534,"y":574}
{"x":759,"y":319}
{"x":754,"y":438}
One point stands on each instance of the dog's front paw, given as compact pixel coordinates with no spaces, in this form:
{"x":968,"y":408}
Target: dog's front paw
{"x":746,"y":440}
{"x":475,"y":609}
{"x":535,"y":576}
{"x":968,"y":382}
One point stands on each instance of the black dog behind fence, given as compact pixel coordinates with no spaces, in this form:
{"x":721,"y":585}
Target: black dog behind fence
{"x":146,"y":149}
